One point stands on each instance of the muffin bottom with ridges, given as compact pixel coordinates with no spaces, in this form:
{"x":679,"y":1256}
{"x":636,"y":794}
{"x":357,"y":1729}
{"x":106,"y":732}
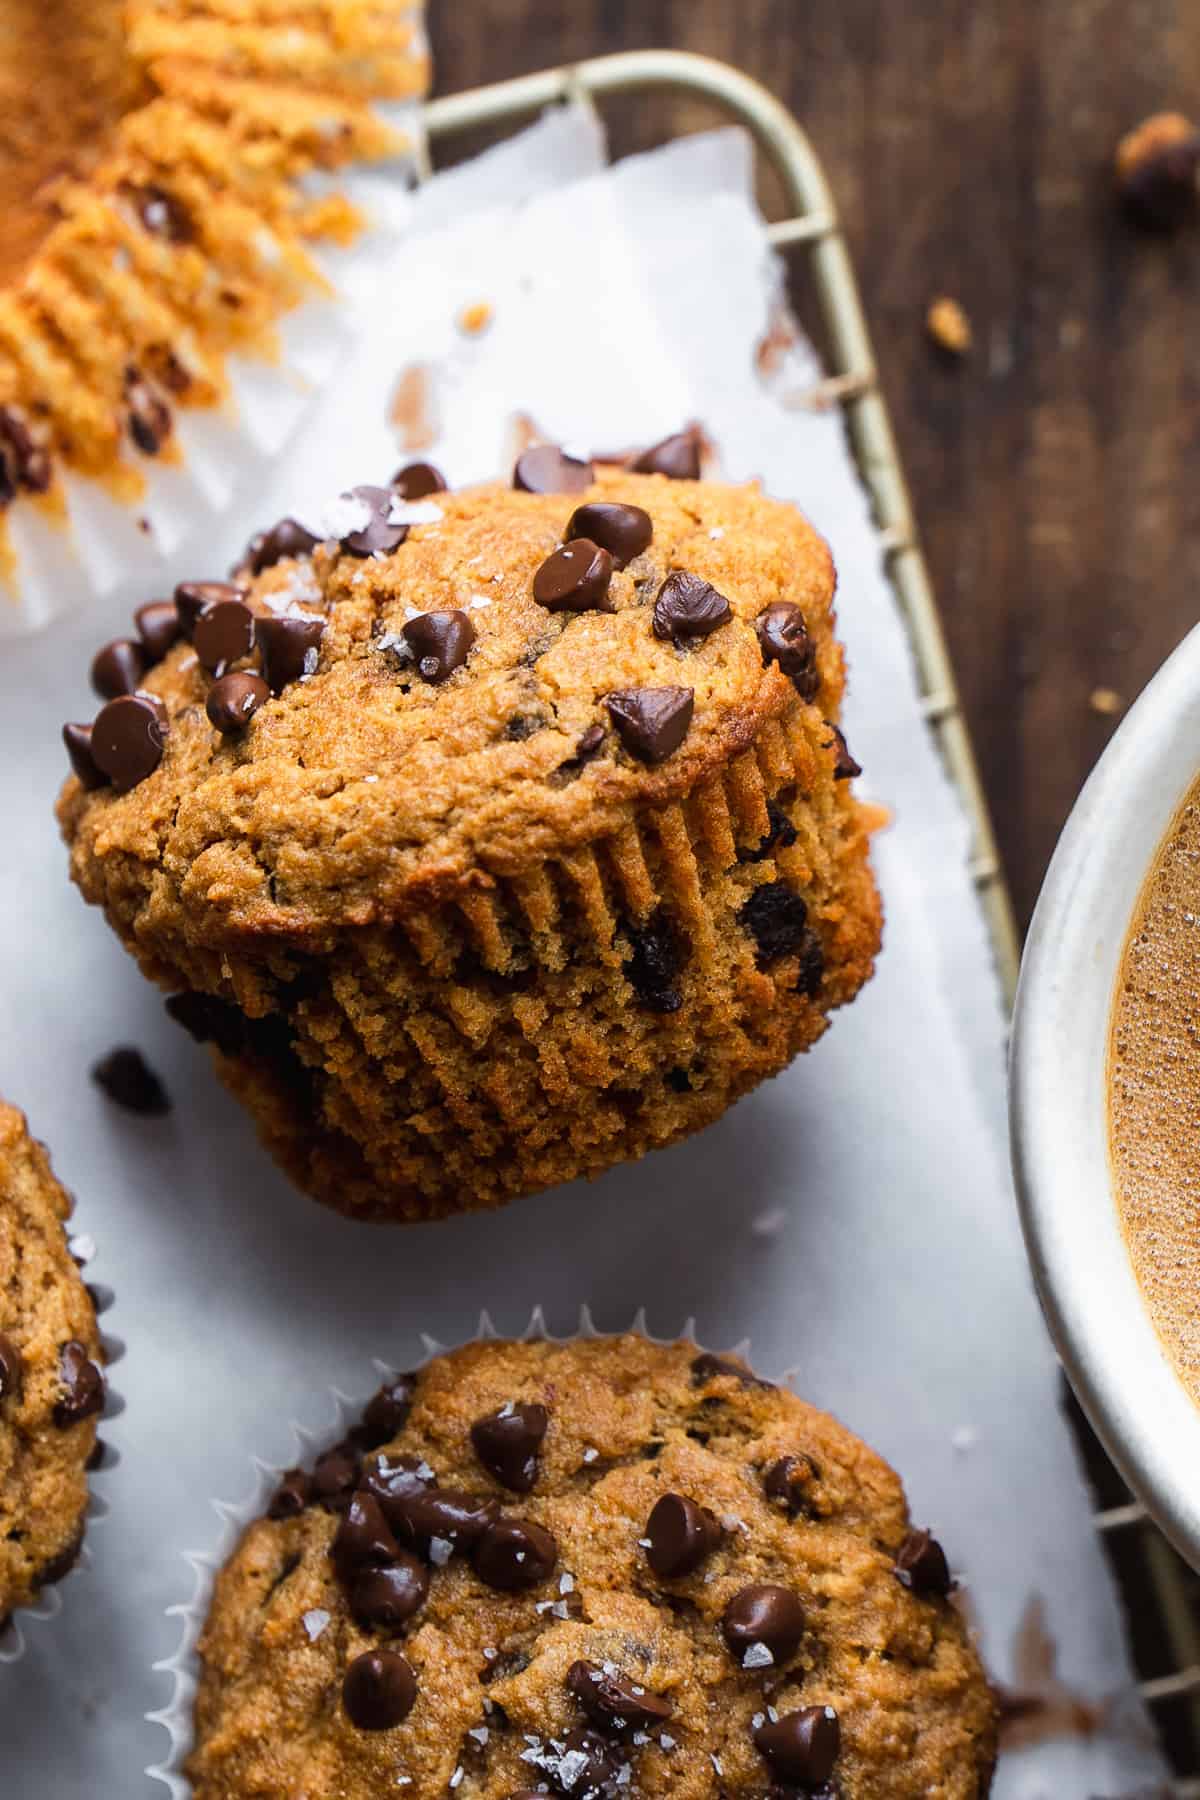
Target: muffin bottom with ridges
{"x":501,"y":1682}
{"x":462,"y":959}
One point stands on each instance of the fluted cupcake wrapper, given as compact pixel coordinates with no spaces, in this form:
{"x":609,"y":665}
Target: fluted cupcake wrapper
{"x":183,"y":1665}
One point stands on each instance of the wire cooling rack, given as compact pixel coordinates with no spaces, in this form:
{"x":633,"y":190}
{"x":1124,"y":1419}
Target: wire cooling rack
{"x":1162,"y":1596}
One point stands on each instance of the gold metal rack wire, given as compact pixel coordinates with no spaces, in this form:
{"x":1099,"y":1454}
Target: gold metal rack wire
{"x":810,"y":236}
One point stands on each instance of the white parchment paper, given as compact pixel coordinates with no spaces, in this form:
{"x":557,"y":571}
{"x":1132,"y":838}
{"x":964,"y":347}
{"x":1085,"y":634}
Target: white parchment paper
{"x":853,"y":1218}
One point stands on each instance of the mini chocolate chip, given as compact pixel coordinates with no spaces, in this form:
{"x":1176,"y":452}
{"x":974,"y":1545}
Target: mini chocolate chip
{"x":378,"y":533}
{"x":546,"y":469}
{"x":689,"y":607}
{"x":775,"y":918}
{"x":23,"y":463}
{"x":118,"y":668}
{"x":801,"y":1747}
{"x":224,"y":633}
{"x":10,"y":1368}
{"x":514,"y":1554}
{"x":507,"y":1443}
{"x":285,"y":539}
{"x":162,"y":214}
{"x":781,"y":834}
{"x":421,"y":1514}
{"x":335,"y":1476}
{"x":788,"y":1482}
{"x":209,"y":1020}
{"x":128,"y":1079}
{"x":651,"y":722}
{"x":379,"y":1690}
{"x":192,"y":598}
{"x":764,"y":1613}
{"x":811,"y":972}
{"x":158,"y":627}
{"x":147,"y":416}
{"x":680,"y":1535}
{"x":82,"y":1386}
{"x":921,"y":1565}
{"x":845,"y":767}
{"x":783,"y":638}
{"x":363,"y":1537}
{"x":614,"y":1702}
{"x":128,"y":738}
{"x":388,"y":1598}
{"x":289,"y":648}
{"x":387,"y":1411}
{"x":708,"y":1367}
{"x":587,"y":747}
{"x":677,"y":456}
{"x":417,"y":480}
{"x":78,"y":740}
{"x":624,"y":531}
{"x":233,"y":700}
{"x":524,"y":725}
{"x":440,"y":642}
{"x":575,"y":579}
{"x":294,"y":1493}
{"x":659,"y":955}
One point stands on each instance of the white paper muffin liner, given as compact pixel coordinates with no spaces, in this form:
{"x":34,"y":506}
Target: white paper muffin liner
{"x":15,"y":1637}
{"x":102,"y":544}
{"x":183,"y":1666}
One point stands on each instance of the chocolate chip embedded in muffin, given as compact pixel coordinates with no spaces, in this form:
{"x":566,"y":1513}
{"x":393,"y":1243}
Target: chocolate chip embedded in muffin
{"x":575,"y":578}
{"x":921,"y":1565}
{"x":507,"y":1442}
{"x":624,"y":531}
{"x":118,"y":668}
{"x":651,"y":722}
{"x":688,"y":607}
{"x":776,"y":918}
{"x":680,"y":1534}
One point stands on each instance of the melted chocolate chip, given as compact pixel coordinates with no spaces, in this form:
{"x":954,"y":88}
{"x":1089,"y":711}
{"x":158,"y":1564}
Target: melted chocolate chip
{"x":590,"y":1768}
{"x":783,"y":638}
{"x":811,"y":972}
{"x":82,"y":1393}
{"x":395,"y":1480}
{"x":285,"y":539}
{"x":764,"y":1614}
{"x":677,"y":456}
{"x":23,"y":463}
{"x":78,"y":740}
{"x":651,"y":722}
{"x":709,"y":1367}
{"x":921,"y":1565}
{"x":545,"y":469}
{"x":417,"y":480}
{"x":118,"y":668}
{"x":129,"y":1081}
{"x":587,"y":747}
{"x":386,"y":1412}
{"x":624,"y":531}
{"x":575,"y":579}
{"x":335,"y":1476}
{"x":680,"y":1535}
{"x":688,"y":607}
{"x":379,"y":1690}
{"x":388,"y":1598}
{"x":801,"y":1747}
{"x":147,"y":416}
{"x":233,"y":700}
{"x":440,"y":642}
{"x":775,"y":918}
{"x":363,"y":1538}
{"x":515,"y":1553}
{"x":422,"y":1514}
{"x":845,"y":768}
{"x":193,"y":598}
{"x":377,"y":534}
{"x":788,"y":1483}
{"x":294,"y":1493}
{"x":659,"y":955}
{"x":209,"y":1020}
{"x":162,"y":214}
{"x":289,"y":648}
{"x":614,"y":1702}
{"x":158,"y":627}
{"x":10,"y":1368}
{"x":128,"y":738}
{"x":781,"y":834}
{"x":507,"y":1443}
{"x":224,"y":633}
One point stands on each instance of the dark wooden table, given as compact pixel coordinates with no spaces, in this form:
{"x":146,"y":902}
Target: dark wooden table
{"x":1056,"y":472}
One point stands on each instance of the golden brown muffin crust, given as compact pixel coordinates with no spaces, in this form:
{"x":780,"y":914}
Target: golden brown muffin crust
{"x":627,"y":1422}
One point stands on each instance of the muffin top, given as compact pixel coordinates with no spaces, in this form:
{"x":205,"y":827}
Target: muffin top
{"x":454,"y":688}
{"x":603,"y":1568}
{"x":51,"y":1388}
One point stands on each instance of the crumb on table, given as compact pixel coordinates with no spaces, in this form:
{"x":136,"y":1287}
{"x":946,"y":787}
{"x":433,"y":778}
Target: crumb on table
{"x":948,"y":325}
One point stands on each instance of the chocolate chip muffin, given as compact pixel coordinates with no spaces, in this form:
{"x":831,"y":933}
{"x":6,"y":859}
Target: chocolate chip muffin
{"x":604,"y":1568}
{"x":51,"y":1387}
{"x":498,"y":838}
{"x":152,"y":212}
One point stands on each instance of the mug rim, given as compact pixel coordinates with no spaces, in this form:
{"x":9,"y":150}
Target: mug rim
{"x":1058,"y":1100}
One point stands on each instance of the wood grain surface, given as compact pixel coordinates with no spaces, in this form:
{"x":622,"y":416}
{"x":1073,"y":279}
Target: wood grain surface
{"x":1056,"y":471}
